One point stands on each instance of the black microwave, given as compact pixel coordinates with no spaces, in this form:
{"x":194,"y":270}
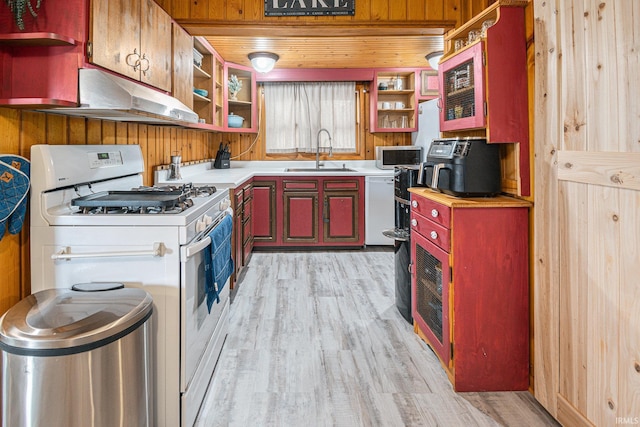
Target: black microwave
{"x":388,"y":157}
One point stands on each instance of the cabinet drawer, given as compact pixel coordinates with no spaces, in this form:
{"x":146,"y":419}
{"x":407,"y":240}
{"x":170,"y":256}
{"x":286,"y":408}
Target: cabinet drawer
{"x":341,"y":185}
{"x":435,"y":212}
{"x":238,"y":198}
{"x":247,"y":208}
{"x":431,"y":230}
{"x":300,"y":185}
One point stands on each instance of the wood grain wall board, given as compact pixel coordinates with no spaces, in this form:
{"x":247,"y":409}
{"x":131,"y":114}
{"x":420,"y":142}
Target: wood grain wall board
{"x":611,"y":169}
{"x":569,"y":416}
{"x":629,"y":364}
{"x":627,"y":34}
{"x":573,"y":308}
{"x":603,"y":305}
{"x":548,"y":135}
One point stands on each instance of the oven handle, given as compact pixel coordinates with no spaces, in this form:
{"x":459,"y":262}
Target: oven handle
{"x":159,"y":249}
{"x":196,"y":247}
{"x":203,"y":240}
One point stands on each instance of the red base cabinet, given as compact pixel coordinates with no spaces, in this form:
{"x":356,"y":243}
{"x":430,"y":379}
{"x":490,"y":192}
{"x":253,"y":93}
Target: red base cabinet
{"x":264,"y":206}
{"x":306,"y":211}
{"x":470,"y":287}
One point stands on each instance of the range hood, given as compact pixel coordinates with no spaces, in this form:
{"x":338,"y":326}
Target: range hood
{"x":109,"y":97}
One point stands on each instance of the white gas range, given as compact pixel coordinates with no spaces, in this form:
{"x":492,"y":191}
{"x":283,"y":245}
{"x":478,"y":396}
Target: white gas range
{"x":92,"y":221}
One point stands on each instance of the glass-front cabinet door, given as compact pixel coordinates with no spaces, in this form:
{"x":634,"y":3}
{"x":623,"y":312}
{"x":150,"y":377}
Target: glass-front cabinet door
{"x":430,"y":294}
{"x":462,"y":87}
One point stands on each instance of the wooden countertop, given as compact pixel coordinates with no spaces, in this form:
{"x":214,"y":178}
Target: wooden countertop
{"x":471,"y":202}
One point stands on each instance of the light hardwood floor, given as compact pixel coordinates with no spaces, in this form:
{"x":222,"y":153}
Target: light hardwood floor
{"x":316,"y":340}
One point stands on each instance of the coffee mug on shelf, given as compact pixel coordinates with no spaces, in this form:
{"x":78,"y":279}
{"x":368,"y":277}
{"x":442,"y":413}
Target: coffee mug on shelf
{"x":386,"y":105}
{"x":399,"y":105}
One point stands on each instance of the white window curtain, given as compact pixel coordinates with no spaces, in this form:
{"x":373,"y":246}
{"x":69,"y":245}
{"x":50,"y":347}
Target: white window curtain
{"x":296,"y":111}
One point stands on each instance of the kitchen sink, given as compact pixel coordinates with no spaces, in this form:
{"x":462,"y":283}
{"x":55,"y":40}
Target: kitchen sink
{"x":319,"y":170}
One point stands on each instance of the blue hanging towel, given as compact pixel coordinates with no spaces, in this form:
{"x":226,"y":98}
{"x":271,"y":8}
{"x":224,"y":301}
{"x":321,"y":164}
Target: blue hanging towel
{"x":14,"y":188}
{"x":22,"y":165}
{"x":218,"y":261}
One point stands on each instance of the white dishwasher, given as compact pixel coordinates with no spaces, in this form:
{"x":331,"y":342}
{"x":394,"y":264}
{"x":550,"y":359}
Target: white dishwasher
{"x":379,"y":209}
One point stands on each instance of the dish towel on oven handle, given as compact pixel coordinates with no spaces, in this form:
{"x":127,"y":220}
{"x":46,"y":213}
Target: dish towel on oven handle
{"x":218,"y":262}
{"x":14,"y":190}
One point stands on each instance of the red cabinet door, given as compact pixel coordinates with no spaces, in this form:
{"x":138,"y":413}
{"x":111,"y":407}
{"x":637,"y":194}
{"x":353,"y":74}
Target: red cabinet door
{"x":264,"y":211}
{"x":340,"y":216}
{"x":463,"y":93}
{"x":430,"y":294}
{"x":300,"y":217}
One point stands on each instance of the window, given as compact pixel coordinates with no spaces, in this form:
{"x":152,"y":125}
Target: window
{"x":296,"y":111}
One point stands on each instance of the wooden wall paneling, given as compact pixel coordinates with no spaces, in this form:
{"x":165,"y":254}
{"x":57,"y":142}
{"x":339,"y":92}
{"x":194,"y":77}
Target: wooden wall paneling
{"x":216,"y":10}
{"x":363,"y":12}
{"x":603,"y":302}
{"x":143,"y":142}
{"x":629,"y":363}
{"x":234,"y":9}
{"x":94,"y":132}
{"x":122,"y":133}
{"x":434,"y":10}
{"x":200,"y":9}
{"x":548,"y":136}
{"x":453,"y":10}
{"x":10,"y":245}
{"x":627,"y":34}
{"x":416,"y":10}
{"x":108,"y":132}
{"x":573,"y":312}
{"x":57,"y":129}
{"x":379,"y":10}
{"x":152,"y":150}
{"x":398,"y":10}
{"x":178,"y":9}
{"x":77,"y":130}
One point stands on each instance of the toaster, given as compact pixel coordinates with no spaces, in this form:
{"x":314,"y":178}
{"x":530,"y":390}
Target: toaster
{"x":462,"y":167}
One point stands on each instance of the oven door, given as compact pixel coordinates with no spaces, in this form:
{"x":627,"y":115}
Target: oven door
{"x":203,"y":332}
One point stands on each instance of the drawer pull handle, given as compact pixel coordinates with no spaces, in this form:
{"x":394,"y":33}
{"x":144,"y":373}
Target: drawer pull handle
{"x":414,"y":203}
{"x":414,"y":222}
{"x":434,"y":235}
{"x":434,"y":213}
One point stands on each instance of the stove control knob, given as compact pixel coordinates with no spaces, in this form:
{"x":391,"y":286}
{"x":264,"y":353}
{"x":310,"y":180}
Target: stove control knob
{"x":200,"y":225}
{"x":207,"y":219}
{"x":224,"y":205}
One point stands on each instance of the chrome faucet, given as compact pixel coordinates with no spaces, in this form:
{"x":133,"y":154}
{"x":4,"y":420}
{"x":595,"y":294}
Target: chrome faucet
{"x":318,"y":147}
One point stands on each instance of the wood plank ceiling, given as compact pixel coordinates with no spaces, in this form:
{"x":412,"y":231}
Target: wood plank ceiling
{"x":324,"y":42}
{"x":362,"y":51}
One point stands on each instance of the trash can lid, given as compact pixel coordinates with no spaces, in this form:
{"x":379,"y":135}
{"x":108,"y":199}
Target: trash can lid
{"x":73,"y":319}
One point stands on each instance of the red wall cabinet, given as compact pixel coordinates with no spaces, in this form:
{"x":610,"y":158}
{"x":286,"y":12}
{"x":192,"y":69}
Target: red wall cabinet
{"x":463,"y":97}
{"x":393,"y":102}
{"x":35,"y":62}
{"x":470,"y":287}
{"x":484,"y":84}
{"x":245,"y":103}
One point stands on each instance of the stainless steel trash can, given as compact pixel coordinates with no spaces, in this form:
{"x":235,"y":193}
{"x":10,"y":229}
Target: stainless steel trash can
{"x":78,"y":357}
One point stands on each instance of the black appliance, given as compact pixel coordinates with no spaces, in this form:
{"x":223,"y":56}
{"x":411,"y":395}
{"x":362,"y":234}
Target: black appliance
{"x":463,"y":167}
{"x":404,"y":178}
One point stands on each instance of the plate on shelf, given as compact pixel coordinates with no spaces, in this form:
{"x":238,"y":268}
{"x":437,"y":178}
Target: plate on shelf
{"x":201,"y":92}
